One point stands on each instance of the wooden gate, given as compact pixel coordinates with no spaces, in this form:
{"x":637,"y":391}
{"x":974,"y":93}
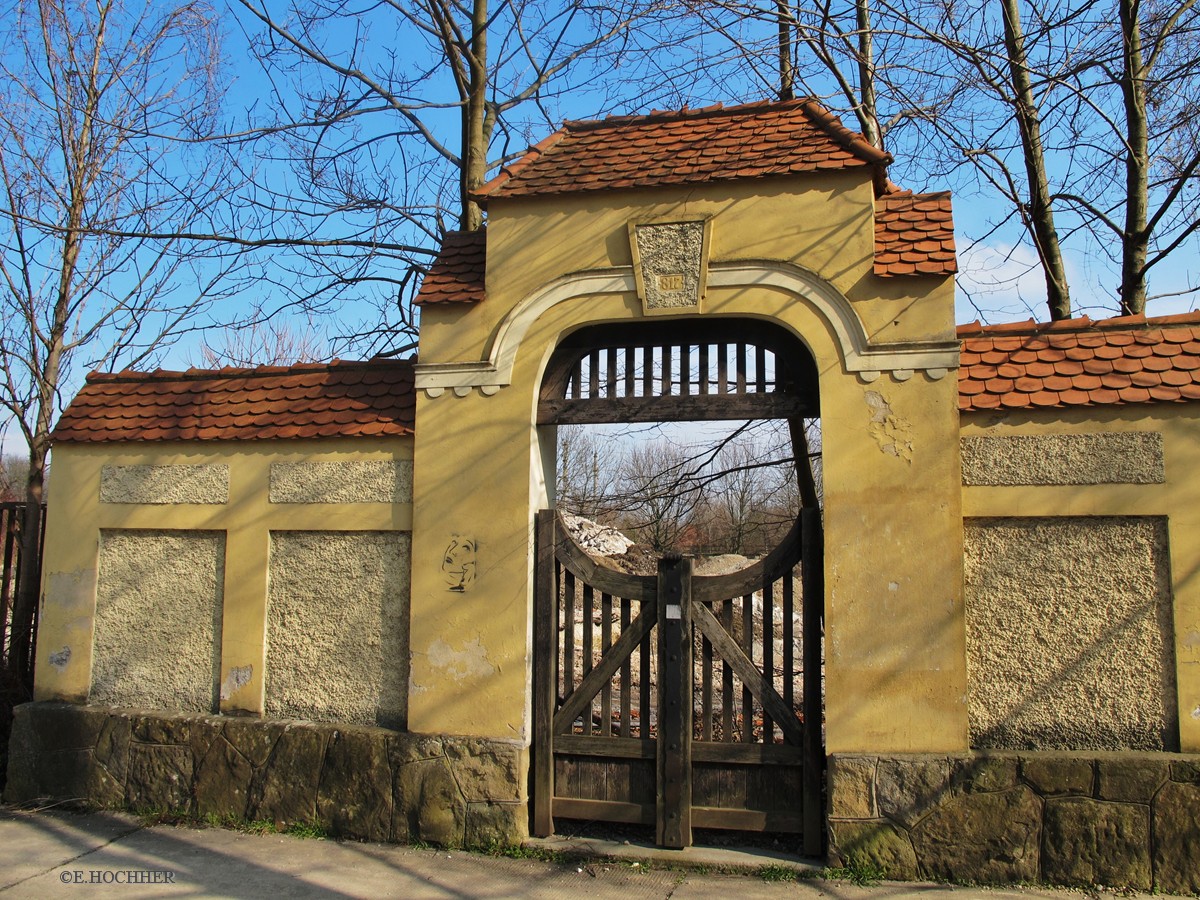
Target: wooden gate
{"x":677,"y":700}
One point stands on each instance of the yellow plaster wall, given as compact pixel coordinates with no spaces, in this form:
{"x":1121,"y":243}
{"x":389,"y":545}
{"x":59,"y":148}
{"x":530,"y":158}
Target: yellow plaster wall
{"x":895,"y":629}
{"x":1178,"y":499}
{"x":76,"y":516}
{"x":824,"y":224}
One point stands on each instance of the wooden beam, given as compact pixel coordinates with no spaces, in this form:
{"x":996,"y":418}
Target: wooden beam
{"x":583,"y":695}
{"x":604,"y":811}
{"x":812,"y":574}
{"x":619,"y":748}
{"x":758,"y":684}
{"x":602,"y":578}
{"x":544,"y":687}
{"x":742,"y":754}
{"x":674,"y":788}
{"x":695,"y":408}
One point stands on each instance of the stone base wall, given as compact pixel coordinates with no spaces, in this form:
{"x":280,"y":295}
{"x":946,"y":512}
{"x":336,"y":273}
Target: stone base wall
{"x":355,"y":781}
{"x":1120,"y":819}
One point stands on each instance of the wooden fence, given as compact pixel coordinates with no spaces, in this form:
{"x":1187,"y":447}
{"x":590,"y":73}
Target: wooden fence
{"x":18,"y":623}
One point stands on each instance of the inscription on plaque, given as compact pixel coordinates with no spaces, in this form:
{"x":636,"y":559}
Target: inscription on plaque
{"x":670,"y":263}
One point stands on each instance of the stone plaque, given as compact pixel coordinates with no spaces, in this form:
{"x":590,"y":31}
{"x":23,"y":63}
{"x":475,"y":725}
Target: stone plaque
{"x":670,"y":263}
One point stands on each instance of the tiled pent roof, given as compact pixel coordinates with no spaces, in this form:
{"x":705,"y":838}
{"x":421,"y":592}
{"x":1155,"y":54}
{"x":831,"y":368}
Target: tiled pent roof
{"x":1078,"y":362}
{"x":359,"y":399}
{"x":755,"y":140}
{"x":914,"y":234}
{"x":457,"y":274}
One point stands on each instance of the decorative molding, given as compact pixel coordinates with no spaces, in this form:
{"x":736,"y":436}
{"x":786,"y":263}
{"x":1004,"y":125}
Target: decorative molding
{"x":670,"y":263}
{"x":866,"y":359}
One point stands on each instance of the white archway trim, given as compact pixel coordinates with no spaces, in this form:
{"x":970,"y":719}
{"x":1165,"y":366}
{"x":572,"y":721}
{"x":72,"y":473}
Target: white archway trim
{"x":868,"y":360}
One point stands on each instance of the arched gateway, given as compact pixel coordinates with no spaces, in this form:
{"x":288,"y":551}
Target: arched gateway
{"x":712,"y":730}
{"x":718,"y":264}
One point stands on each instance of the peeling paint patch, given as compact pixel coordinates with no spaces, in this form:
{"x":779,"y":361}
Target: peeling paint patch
{"x":1191,"y":640}
{"x":1196,"y":713}
{"x":60,"y":658}
{"x":470,"y":661}
{"x":238,"y":678}
{"x":892,"y":433}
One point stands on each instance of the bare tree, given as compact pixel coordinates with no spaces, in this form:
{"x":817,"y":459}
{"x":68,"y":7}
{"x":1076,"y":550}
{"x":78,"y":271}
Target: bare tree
{"x":260,"y":343}
{"x":588,"y":464}
{"x":391,"y":115}
{"x":101,"y":108}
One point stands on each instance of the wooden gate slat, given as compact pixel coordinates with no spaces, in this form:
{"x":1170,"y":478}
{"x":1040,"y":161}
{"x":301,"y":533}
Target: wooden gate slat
{"x":726,"y":679}
{"x":626,"y":676}
{"x":588,"y":625}
{"x":605,"y":645}
{"x":748,"y":649}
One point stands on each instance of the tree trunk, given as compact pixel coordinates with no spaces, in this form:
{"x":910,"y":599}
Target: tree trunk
{"x":787,"y":77}
{"x":1135,"y":238}
{"x":474,"y":154}
{"x":1040,"y":215}
{"x":866,"y":74}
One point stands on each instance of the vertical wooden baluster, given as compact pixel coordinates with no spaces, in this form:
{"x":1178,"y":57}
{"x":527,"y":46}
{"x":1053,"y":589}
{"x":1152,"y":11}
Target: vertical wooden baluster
{"x":768,"y":654}
{"x":645,"y":689}
{"x":605,"y":644}
{"x":626,"y":675}
{"x":727,"y":678}
{"x":568,"y":602}
{"x":722,"y":368}
{"x":647,"y":371}
{"x":704,"y":369}
{"x":627,"y":358}
{"x":760,"y":369}
{"x":748,"y":648}
{"x":789,"y":639}
{"x":611,"y":374}
{"x":594,"y":374}
{"x":706,"y":688}
{"x":740,"y":357}
{"x":576,"y":386}
{"x":589,"y":622}
{"x":685,"y":370}
{"x":667,"y":376}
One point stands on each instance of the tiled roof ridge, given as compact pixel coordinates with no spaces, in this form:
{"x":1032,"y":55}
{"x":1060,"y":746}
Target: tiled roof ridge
{"x":512,"y":177}
{"x":264,"y":371}
{"x":1079,"y":362}
{"x":828,"y":121}
{"x":510,"y":171}
{"x":1033,"y":328}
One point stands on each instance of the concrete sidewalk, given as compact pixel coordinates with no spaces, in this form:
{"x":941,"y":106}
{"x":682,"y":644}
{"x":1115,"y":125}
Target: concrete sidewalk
{"x":64,"y":854}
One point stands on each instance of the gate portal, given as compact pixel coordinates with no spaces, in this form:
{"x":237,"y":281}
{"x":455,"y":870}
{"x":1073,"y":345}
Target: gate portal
{"x":679,"y":700}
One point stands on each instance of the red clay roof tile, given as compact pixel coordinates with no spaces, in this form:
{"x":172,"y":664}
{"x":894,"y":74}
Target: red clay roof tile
{"x":457,"y":275}
{"x":915,"y":229}
{"x":1078,"y":362}
{"x":755,"y":140}
{"x":375,"y":397}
